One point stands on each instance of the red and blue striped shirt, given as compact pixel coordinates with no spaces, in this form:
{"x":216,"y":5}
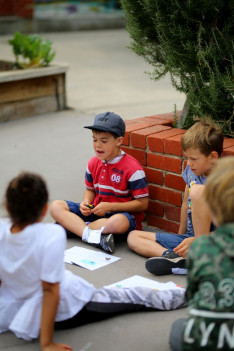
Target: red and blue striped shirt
{"x":120,"y":180}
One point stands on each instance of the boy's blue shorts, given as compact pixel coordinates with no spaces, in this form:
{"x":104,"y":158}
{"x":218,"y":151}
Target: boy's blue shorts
{"x":74,"y":207}
{"x":170,"y":241}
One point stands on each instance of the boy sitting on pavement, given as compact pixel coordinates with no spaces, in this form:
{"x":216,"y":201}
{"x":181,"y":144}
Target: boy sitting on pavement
{"x":210,"y":263}
{"x":202,"y":144}
{"x":116,"y":190}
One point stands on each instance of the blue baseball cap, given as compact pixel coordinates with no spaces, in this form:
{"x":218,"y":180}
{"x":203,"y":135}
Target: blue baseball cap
{"x":109,"y":122}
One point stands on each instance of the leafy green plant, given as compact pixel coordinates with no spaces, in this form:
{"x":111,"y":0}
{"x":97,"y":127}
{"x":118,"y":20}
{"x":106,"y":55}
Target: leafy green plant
{"x":31,"y":51}
{"x":192,"y":41}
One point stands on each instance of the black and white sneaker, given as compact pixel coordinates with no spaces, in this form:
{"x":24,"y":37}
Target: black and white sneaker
{"x":107,"y":243}
{"x":163,"y":265}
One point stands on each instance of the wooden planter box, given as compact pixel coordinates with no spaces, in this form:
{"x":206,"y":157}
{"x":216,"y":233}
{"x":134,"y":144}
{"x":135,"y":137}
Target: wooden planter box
{"x":29,"y":92}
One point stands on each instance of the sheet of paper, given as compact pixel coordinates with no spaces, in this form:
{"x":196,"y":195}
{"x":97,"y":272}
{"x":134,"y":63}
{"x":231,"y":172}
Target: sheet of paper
{"x":137,"y":280}
{"x":89,"y":259}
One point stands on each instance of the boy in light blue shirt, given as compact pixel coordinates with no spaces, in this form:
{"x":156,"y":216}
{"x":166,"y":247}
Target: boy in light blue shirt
{"x":202,"y":145}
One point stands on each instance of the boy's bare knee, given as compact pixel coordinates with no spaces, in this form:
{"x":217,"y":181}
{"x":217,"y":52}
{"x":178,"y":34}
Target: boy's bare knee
{"x":132,"y":237}
{"x":56,"y":207}
{"x":117,"y":224}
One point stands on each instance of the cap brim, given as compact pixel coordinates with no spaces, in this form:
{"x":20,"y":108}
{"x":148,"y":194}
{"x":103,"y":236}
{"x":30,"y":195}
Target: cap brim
{"x":101,"y":129}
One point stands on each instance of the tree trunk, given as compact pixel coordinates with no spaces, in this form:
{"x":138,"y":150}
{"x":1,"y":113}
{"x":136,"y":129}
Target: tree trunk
{"x":184,"y":114}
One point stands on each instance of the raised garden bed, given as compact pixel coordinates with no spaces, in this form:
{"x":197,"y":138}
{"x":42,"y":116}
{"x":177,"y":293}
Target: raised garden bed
{"x":34,"y":91}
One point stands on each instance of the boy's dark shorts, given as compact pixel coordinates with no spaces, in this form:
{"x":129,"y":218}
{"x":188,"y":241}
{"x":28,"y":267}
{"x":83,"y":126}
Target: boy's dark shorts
{"x":74,"y":207}
{"x":170,"y":241}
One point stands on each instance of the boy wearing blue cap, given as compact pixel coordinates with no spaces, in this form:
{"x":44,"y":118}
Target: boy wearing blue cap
{"x":116,"y":190}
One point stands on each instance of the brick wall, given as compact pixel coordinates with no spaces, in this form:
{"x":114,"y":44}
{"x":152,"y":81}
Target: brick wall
{"x":156,"y":145}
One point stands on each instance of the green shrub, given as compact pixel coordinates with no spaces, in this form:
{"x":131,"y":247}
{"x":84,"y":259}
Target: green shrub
{"x":192,"y":41}
{"x":30,"y":51}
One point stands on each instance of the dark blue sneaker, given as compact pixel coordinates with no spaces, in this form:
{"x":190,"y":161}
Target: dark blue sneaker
{"x":106,"y":243}
{"x":163,"y":265}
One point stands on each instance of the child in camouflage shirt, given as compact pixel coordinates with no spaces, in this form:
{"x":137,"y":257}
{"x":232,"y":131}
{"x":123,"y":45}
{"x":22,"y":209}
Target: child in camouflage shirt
{"x":210,"y":263}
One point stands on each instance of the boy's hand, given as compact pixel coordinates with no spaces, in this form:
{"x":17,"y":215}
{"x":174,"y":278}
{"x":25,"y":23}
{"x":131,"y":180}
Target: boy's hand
{"x":84,"y":209}
{"x":182,"y":248}
{"x":102,"y":208}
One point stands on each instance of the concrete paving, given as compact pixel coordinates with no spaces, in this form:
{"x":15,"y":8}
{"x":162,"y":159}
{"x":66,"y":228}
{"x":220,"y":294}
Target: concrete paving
{"x":104,"y":75}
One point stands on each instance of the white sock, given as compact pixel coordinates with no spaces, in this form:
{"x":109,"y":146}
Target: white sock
{"x":92,"y":236}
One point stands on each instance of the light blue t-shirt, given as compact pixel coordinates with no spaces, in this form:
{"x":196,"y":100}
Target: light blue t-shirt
{"x":190,"y":179}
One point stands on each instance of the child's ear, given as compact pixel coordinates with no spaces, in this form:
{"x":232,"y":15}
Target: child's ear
{"x":119,"y":141}
{"x":214,"y":155}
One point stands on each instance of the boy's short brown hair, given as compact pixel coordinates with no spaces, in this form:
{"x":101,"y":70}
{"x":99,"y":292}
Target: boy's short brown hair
{"x":205,"y":136}
{"x":219,"y":190}
{"x":115,"y":136}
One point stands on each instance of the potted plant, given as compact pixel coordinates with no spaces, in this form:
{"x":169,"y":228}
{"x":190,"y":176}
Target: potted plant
{"x":31,"y":85}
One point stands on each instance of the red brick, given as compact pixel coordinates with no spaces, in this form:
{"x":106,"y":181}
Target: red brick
{"x":229,"y":151}
{"x":173,"y":146}
{"x":168,"y":115}
{"x":131,"y":127}
{"x":161,"y":223}
{"x":228,"y":143}
{"x":153,"y":176}
{"x":24,"y":8}
{"x":135,"y":120}
{"x":6,"y":8}
{"x":132,"y":121}
{"x":156,"y":208}
{"x":155,"y":121}
{"x":163,"y":162}
{"x":137,"y":126}
{"x":141,"y":120}
{"x":174,"y":181}
{"x":139,"y":155}
{"x":20,"y":8}
{"x":172,"y":213}
{"x":163,"y":119}
{"x":156,"y":141}
{"x":165,"y":195}
{"x":168,"y":121}
{"x":126,"y":139}
{"x":138,"y":139}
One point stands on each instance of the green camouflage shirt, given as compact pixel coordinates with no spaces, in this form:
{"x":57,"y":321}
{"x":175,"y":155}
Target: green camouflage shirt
{"x":210,"y":292}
